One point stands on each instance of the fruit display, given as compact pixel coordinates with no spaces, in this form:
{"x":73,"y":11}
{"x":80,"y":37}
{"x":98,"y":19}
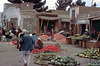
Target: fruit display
{"x":59,"y":36}
{"x":44,"y":37}
{"x":14,"y":42}
{"x":43,"y":58}
{"x":64,"y":61}
{"x":35,"y":51}
{"x":90,"y":53}
{"x":51,"y":48}
{"x":63,"y":40}
{"x":94,"y":63}
{"x":79,"y":37}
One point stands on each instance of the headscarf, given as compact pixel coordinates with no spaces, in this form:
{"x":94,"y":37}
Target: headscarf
{"x":26,"y":33}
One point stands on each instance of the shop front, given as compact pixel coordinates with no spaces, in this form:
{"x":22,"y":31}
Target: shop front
{"x":49,"y":23}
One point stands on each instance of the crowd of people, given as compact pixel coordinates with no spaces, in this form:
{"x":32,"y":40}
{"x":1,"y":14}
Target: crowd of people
{"x":26,"y":41}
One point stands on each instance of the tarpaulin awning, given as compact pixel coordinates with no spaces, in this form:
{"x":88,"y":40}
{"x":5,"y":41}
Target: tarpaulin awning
{"x":48,"y":18}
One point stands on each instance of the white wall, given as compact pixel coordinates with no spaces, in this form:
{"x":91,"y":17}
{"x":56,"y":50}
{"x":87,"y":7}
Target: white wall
{"x":0,"y":19}
{"x":76,"y":11}
{"x":13,"y":12}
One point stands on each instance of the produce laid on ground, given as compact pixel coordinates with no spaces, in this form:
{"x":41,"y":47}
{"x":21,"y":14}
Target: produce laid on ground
{"x":47,"y":58}
{"x":13,"y":42}
{"x":64,"y":61}
{"x":63,"y":40}
{"x":44,"y":37}
{"x":60,"y":38}
{"x":51,"y":48}
{"x":43,"y":58}
{"x":90,"y":53}
{"x":35,"y":51}
{"x":94,"y":63}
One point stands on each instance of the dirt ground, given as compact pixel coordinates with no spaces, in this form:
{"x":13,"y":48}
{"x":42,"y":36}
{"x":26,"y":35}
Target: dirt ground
{"x":71,"y":50}
{"x":10,"y":56}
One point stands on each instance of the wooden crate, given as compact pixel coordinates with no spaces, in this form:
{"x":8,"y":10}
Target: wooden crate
{"x":91,"y":45}
{"x":80,"y":43}
{"x":68,"y":40}
{"x":83,"y":44}
{"x":98,"y":44}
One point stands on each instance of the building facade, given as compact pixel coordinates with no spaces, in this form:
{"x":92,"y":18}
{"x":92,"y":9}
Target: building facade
{"x":79,"y":18}
{"x":25,"y":17}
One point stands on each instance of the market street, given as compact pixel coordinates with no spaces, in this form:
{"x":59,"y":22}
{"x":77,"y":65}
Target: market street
{"x":10,"y":56}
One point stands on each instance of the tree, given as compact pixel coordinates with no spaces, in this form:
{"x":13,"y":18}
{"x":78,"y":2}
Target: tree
{"x":62,"y":4}
{"x":38,"y":4}
{"x":78,"y":3}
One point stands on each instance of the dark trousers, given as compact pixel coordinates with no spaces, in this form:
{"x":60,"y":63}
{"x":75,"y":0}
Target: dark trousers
{"x":17,"y":44}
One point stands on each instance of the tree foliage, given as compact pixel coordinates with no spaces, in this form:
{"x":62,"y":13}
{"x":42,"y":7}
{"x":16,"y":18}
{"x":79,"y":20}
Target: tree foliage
{"x":38,"y":4}
{"x":78,"y":3}
{"x":62,"y":4}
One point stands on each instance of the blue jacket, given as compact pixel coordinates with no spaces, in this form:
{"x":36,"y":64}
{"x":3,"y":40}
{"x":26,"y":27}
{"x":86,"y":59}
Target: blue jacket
{"x":27,"y":43}
{"x":34,"y":39}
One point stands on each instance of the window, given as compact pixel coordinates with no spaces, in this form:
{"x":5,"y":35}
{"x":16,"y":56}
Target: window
{"x":73,"y":13}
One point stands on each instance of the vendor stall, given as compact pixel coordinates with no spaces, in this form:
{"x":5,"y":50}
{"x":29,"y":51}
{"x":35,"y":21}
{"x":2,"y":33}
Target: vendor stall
{"x":93,"y":44}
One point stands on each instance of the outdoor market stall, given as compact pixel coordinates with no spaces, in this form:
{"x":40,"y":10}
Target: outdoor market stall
{"x":81,"y":40}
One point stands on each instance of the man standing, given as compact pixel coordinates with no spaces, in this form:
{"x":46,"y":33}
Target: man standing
{"x":27,"y":46}
{"x":52,"y":34}
{"x":94,"y":35}
{"x":86,"y":32}
{"x":45,"y":29}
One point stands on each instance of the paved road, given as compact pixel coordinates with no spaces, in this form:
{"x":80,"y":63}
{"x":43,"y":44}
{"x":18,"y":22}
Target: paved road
{"x":10,"y":56}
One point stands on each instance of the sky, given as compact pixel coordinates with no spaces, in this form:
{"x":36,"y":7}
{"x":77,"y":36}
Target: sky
{"x":51,"y":3}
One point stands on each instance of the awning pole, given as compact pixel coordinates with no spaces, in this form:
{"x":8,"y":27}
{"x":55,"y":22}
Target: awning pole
{"x":91,"y":24}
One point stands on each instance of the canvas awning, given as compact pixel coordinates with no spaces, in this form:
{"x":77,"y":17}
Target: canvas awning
{"x":65,"y":20}
{"x":82,"y":22}
{"x":49,"y":18}
{"x":96,"y":18}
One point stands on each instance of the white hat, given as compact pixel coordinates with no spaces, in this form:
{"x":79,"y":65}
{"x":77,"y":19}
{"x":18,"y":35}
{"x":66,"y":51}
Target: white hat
{"x":23,"y":30}
{"x":30,"y":34}
{"x":39,"y":38}
{"x":86,"y":29}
